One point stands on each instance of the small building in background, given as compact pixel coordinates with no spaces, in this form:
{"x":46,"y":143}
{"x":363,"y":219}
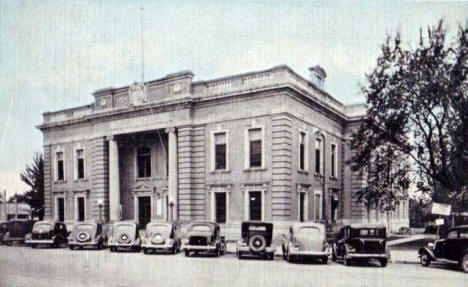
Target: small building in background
{"x":9,"y":211}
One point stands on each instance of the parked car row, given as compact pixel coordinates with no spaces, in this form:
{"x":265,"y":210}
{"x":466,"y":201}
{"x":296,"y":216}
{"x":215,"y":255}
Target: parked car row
{"x":354,"y":243}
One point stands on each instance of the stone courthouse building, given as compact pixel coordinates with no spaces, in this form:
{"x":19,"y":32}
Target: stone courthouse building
{"x":265,"y":145}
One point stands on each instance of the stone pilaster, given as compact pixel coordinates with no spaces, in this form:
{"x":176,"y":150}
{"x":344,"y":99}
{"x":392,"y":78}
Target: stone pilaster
{"x":47,"y":182}
{"x":281,"y":187}
{"x":100,"y":177}
{"x":114,"y":180}
{"x":191,"y":161}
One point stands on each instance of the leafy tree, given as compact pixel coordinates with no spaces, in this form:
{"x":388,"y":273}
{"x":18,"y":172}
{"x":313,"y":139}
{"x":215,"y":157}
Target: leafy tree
{"x":33,"y":176}
{"x":417,"y":111}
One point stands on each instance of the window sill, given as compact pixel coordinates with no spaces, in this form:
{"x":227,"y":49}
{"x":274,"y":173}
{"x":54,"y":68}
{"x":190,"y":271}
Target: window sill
{"x":333,"y":178}
{"x":143,"y":178}
{"x":60,"y":181}
{"x":256,"y":169}
{"x":220,"y":171}
{"x":302,"y":171}
{"x":81,"y":180}
{"x":319,"y":175}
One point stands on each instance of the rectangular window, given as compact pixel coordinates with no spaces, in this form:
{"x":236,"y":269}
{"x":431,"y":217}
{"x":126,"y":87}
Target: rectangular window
{"x":220,"y":207}
{"x":302,"y":151}
{"x":144,"y":162}
{"x":333,"y":159}
{"x":220,"y":151}
{"x":61,"y":209}
{"x":80,"y":164}
{"x":255,"y":205}
{"x":60,"y":166}
{"x":80,"y":202}
{"x":318,"y":155}
{"x":255,"y":147}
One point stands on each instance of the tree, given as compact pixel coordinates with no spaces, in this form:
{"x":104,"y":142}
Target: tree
{"x":417,"y":110}
{"x":33,"y":176}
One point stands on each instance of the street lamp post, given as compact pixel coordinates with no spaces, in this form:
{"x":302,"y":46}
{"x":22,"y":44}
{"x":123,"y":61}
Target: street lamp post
{"x":100,"y":203}
{"x":171,"y":208}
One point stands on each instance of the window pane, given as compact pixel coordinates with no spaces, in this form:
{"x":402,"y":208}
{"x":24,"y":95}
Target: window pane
{"x":144,"y":162}
{"x":220,"y":153}
{"x":301,"y":157}
{"x":255,"y":200}
{"x":332,"y":164}
{"x":80,"y":168}
{"x":79,"y":153}
{"x":60,"y":173}
{"x":317,"y":160}
{"x":317,"y":204}
{"x":60,"y":156}
{"x":256,"y":153}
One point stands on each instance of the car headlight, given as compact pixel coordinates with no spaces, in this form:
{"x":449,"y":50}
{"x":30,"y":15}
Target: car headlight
{"x":350,"y":248}
{"x":185,"y":241}
{"x":430,"y":245}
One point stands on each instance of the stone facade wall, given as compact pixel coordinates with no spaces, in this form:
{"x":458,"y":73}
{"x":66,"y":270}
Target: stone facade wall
{"x":100,"y":177}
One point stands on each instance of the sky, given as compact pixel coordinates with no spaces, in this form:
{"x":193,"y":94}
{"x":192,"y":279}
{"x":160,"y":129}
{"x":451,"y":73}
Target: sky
{"x":54,"y":54}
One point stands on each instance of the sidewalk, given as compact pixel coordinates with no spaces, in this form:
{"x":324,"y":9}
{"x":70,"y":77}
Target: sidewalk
{"x":404,"y":256}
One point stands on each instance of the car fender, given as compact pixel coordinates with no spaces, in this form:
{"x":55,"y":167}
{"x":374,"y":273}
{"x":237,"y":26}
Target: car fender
{"x":429,"y":252}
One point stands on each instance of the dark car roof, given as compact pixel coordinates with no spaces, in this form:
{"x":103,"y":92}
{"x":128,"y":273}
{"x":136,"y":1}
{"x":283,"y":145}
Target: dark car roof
{"x":257,"y":222}
{"x":366,"y":225}
{"x":204,"y":223}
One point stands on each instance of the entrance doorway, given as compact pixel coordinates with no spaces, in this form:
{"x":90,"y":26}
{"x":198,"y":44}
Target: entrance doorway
{"x":144,"y":210}
{"x":81,"y":208}
{"x":302,"y":208}
{"x":61,"y":209}
{"x":255,"y":205}
{"x":220,"y":211}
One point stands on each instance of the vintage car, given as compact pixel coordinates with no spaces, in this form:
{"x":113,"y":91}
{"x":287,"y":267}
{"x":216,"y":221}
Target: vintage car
{"x":161,"y":236}
{"x":125,"y":235}
{"x":306,"y":240}
{"x":256,"y":239}
{"x":451,"y":249}
{"x":87,"y":234}
{"x":15,"y":231}
{"x":361,"y":242}
{"x":203,"y":237}
{"x":47,"y":232}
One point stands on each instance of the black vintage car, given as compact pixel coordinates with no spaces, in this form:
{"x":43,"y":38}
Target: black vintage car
{"x":451,"y":249}
{"x":15,"y":231}
{"x":256,"y":239}
{"x":51,"y":233}
{"x":87,"y":234}
{"x":361,"y":242}
{"x":203,"y":237}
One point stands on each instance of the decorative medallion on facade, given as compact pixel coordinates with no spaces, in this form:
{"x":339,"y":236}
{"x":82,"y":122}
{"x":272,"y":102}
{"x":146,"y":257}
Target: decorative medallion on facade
{"x":138,"y":94}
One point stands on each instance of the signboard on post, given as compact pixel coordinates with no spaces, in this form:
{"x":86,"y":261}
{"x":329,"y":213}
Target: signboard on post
{"x":441,"y":209}
{"x":439,"y":221}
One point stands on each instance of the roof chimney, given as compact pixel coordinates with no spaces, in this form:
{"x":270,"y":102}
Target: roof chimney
{"x":317,"y":76}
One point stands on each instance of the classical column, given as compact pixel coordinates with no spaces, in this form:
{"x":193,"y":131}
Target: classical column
{"x":172,"y":180}
{"x":114,"y":183}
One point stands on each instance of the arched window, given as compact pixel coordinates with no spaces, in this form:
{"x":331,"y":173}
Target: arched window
{"x":144,"y":162}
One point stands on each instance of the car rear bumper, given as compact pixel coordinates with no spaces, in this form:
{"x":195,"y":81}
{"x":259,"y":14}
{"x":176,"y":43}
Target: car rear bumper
{"x":157,"y":246}
{"x":309,"y":253}
{"x":37,"y":241}
{"x":82,"y":243}
{"x":124,"y":245}
{"x":365,"y":255}
{"x":198,"y":247}
{"x":245,"y":248}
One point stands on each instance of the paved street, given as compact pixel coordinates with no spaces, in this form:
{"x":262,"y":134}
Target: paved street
{"x":22,"y":266}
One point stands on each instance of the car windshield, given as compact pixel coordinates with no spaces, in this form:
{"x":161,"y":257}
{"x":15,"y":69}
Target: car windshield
{"x":157,"y":227}
{"x":309,"y":231}
{"x":200,"y":227}
{"x":126,"y":228}
{"x":42,"y":226}
{"x":85,"y":227}
{"x":463,"y":233}
{"x":370,"y":232}
{"x":257,"y":228}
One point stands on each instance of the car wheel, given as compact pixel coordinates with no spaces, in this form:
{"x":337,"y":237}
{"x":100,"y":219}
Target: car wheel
{"x":33,"y":245}
{"x":187,"y":253}
{"x":145,"y":251}
{"x":9,"y":243}
{"x":288,"y":257}
{"x":383,"y":262}
{"x":424,"y":259}
{"x":71,"y":247}
{"x":138,"y":249}
{"x":239,"y":255}
{"x":218,"y":251}
{"x":284,"y":252}
{"x":464,"y":263}
{"x":334,"y":256}
{"x":272,"y":256}
{"x":112,"y":249}
{"x":324,"y":260}
{"x":347,"y":261}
